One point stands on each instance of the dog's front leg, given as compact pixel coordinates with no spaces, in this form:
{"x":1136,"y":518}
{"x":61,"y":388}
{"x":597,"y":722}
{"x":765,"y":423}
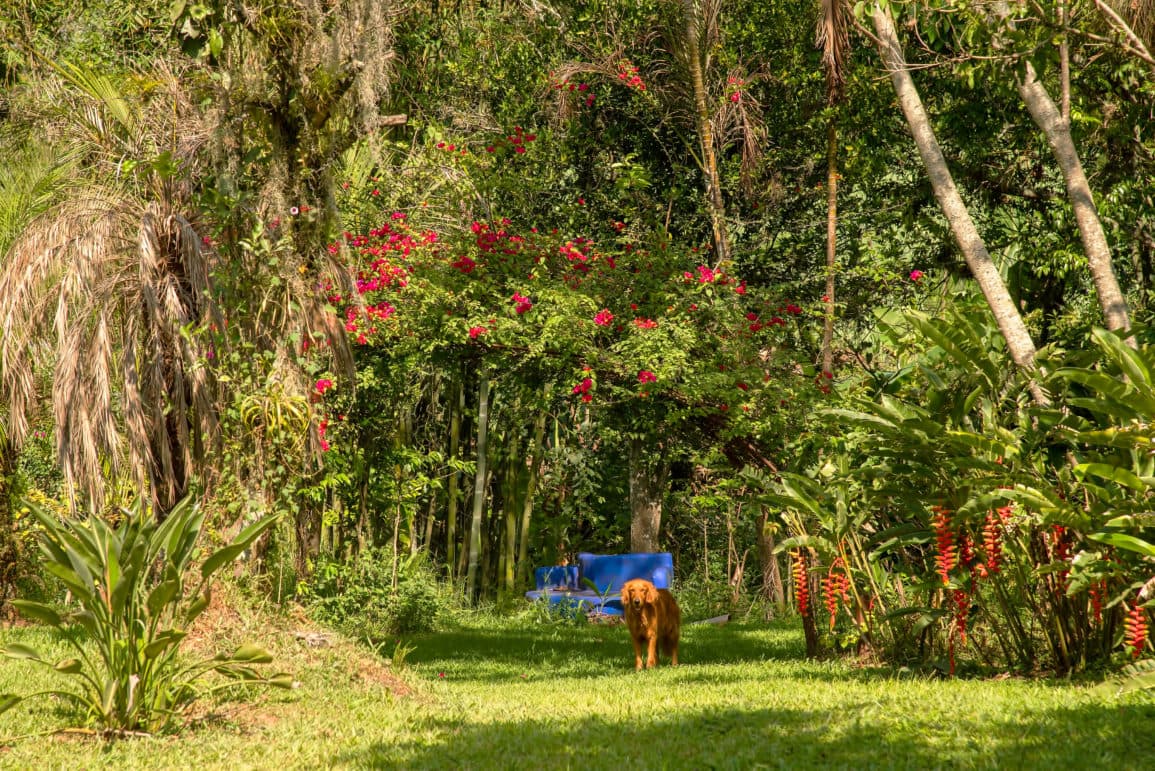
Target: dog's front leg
{"x":637,"y":655}
{"x":652,"y":651}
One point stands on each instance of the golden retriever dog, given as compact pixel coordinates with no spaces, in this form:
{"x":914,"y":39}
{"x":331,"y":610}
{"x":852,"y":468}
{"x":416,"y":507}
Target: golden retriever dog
{"x":654,"y":618}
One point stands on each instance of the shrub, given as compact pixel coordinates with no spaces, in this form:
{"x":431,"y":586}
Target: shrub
{"x":135,"y":610}
{"x":358,"y":596}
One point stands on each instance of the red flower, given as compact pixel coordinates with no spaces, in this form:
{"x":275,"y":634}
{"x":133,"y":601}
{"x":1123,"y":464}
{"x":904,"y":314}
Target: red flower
{"x":604,"y":318}
{"x":641,"y":323}
{"x":583,"y":387}
{"x":915,"y":275}
{"x":475,"y":332}
{"x":645,"y":376}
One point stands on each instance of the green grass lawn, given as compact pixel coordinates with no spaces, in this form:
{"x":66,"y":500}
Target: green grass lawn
{"x":511,"y":694}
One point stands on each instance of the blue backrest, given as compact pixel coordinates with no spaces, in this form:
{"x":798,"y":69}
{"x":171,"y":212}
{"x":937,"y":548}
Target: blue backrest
{"x":609,"y":571}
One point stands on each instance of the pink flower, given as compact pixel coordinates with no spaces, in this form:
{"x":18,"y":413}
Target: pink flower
{"x":645,"y":376}
{"x":587,"y":398}
{"x":523,"y":303}
{"x":604,"y":318}
{"x":915,"y":275}
{"x":741,"y":288}
{"x":584,"y":386}
{"x":645,"y":323}
{"x":705,"y":275}
{"x":475,"y":332}
{"x":324,"y":445}
{"x":324,"y":385}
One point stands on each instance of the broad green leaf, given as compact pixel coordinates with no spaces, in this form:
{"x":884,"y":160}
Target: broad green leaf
{"x":38,"y":611}
{"x":220,"y":558}
{"x":68,"y":666}
{"x":1124,"y":541}
{"x":250,"y":654}
{"x":197,"y":607}
{"x":1127,"y":358}
{"x":281,"y":680}
{"x":163,"y":642}
{"x":1111,"y":473}
{"x":20,"y":651}
{"x":161,"y":595}
{"x":8,"y":701}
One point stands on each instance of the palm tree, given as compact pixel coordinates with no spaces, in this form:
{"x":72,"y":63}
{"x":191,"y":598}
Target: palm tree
{"x":112,"y":284}
{"x":833,"y":38}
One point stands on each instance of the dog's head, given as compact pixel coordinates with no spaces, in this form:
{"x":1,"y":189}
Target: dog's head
{"x":638,"y":593}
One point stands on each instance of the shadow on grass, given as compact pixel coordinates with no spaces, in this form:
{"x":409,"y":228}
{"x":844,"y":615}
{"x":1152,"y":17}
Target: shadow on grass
{"x":1087,"y":737}
{"x":596,"y":645}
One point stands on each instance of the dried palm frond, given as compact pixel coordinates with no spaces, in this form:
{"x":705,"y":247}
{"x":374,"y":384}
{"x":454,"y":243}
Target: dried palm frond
{"x":113,"y":280}
{"x":833,"y":38}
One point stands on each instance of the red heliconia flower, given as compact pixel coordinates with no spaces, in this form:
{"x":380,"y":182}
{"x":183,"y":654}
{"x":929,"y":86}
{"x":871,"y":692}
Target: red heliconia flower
{"x":1135,"y":629}
{"x":966,"y":549}
{"x":993,"y":541}
{"x":947,"y":557}
{"x":1097,"y":591}
{"x":801,"y":582}
{"x":962,"y":604}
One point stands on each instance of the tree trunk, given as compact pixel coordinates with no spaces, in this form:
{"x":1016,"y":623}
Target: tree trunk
{"x":531,"y":490}
{"x":478,"y":489}
{"x":10,"y":562}
{"x":772,"y":588}
{"x":970,"y":243}
{"x":831,"y":242}
{"x":647,"y":486}
{"x":454,"y":481}
{"x":714,"y":200}
{"x":509,"y":544}
{"x":1058,"y":132}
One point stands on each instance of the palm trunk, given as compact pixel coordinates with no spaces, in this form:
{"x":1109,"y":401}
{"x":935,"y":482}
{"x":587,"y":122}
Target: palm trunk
{"x":970,"y":243}
{"x":478,"y":488}
{"x":831,"y":242}
{"x":714,"y":200}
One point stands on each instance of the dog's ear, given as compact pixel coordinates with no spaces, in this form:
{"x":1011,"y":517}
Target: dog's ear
{"x":651,"y":594}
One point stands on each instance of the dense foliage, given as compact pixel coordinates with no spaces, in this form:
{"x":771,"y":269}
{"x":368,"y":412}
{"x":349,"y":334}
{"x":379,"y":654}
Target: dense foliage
{"x":463,"y":289}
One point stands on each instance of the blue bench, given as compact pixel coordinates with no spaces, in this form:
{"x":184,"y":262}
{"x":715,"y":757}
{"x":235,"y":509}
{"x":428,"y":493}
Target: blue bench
{"x":570,"y":584}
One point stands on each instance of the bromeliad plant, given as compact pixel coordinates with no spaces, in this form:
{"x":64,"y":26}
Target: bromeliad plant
{"x":132,"y":583}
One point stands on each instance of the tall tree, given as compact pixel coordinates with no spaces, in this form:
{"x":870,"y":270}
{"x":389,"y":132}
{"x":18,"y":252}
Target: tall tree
{"x":833,"y":39}
{"x":1056,"y":127}
{"x":967,"y":238}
